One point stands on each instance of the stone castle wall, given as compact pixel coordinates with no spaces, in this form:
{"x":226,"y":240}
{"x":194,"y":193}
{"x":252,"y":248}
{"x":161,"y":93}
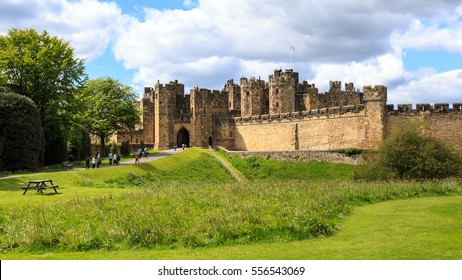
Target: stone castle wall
{"x":321,"y":129}
{"x":300,"y":156}
{"x":441,"y":122}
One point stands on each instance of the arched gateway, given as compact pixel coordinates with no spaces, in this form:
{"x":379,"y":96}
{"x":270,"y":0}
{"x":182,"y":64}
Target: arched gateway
{"x":182,"y":137}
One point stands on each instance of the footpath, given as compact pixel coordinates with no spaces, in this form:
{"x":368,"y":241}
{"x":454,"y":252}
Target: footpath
{"x":151,"y":157}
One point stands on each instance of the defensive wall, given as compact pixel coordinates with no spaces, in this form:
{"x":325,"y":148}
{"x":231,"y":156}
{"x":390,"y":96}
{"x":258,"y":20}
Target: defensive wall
{"x":349,"y":126}
{"x":320,"y":129}
{"x":441,"y":121}
{"x":300,"y":156}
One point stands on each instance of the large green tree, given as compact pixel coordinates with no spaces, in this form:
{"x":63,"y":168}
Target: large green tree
{"x":111,"y":106}
{"x":45,"y":69}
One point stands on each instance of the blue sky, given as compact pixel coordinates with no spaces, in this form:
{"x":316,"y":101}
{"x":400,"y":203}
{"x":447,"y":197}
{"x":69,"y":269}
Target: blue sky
{"x":413,"y":47}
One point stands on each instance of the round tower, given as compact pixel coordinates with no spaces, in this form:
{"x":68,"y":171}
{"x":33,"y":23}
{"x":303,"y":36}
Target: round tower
{"x":282,"y":91}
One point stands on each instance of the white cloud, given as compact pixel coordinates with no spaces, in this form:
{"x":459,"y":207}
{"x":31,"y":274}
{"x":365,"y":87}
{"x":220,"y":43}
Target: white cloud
{"x":90,"y":26}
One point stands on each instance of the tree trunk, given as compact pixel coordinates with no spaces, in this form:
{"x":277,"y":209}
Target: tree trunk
{"x":103,"y":144}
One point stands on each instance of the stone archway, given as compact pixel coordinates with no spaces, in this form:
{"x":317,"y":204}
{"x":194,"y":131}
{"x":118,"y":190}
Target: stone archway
{"x":182,"y":137}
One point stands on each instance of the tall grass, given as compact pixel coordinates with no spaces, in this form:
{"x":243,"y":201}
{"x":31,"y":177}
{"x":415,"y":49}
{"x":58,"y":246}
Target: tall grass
{"x":198,"y":214}
{"x":257,"y":168}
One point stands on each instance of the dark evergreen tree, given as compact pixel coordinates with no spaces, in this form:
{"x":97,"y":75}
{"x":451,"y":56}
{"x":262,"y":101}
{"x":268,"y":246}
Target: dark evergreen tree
{"x":21,"y":138}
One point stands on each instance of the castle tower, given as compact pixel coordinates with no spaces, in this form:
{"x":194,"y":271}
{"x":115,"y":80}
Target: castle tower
{"x":147,"y":104}
{"x":375,"y":99}
{"x":282,"y":91}
{"x":234,"y":95}
{"x":254,"y":97}
{"x":164,"y":109}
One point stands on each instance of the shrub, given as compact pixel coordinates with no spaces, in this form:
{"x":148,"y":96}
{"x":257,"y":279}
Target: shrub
{"x":21,"y":138}
{"x":125,"y":148}
{"x":412,"y":154}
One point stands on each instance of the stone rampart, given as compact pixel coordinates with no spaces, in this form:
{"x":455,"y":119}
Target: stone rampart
{"x":442,"y":122}
{"x":301,"y":156}
{"x":320,"y":129}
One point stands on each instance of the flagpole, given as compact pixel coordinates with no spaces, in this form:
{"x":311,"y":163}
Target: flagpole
{"x":291,"y":49}
{"x":290,"y":59}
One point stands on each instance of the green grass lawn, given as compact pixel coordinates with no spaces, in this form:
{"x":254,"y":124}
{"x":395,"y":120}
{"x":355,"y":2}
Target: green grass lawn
{"x":187,"y":206}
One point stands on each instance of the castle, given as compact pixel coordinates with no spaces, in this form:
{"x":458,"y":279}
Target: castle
{"x":282,"y":114}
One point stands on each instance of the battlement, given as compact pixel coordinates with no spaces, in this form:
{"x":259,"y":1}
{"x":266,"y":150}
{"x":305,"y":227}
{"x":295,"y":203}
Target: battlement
{"x":425,"y":108}
{"x":252,"y":82}
{"x":377,"y":93}
{"x":280,"y":76}
{"x":300,"y":115}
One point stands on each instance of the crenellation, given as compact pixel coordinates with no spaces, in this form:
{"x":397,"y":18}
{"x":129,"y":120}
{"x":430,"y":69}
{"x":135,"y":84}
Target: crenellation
{"x":423,"y":107}
{"x":335,"y":86}
{"x":457,"y":107}
{"x":441,"y":107}
{"x":404,"y":108}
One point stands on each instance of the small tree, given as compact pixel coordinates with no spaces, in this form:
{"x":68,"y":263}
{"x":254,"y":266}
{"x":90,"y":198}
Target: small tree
{"x":111,"y":106}
{"x":21,"y":138}
{"x":412,"y":154}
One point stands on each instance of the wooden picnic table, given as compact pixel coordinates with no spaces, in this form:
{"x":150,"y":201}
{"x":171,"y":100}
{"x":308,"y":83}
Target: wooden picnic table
{"x":40,"y":185}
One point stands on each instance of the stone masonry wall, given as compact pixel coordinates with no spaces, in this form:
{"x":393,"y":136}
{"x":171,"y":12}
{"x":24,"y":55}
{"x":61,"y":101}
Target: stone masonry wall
{"x":446,"y":126}
{"x":340,"y":127}
{"x":301,"y":156}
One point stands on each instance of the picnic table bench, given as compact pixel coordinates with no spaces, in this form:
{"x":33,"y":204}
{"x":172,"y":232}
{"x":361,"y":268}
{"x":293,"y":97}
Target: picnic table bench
{"x":40,"y":185}
{"x":67,"y":164}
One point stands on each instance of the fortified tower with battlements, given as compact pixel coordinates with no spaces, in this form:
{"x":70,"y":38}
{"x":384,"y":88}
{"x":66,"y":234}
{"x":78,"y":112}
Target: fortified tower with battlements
{"x":282,"y":91}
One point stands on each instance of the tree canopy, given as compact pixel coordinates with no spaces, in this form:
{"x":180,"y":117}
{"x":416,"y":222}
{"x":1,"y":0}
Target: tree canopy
{"x":111,"y":106}
{"x":44,"y":68}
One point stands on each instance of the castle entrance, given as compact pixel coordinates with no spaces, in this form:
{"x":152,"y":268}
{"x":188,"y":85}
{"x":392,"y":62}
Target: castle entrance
{"x":182,"y":137}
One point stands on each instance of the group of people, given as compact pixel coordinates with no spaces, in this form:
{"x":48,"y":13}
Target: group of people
{"x":139,"y":154}
{"x":114,"y":159}
{"x":183,"y":146}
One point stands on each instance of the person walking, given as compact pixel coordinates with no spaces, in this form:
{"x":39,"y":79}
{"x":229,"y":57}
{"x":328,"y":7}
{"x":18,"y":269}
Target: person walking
{"x":146,"y":152}
{"x":87,"y":162}
{"x":137,"y":158}
{"x":110,"y":158}
{"x":98,"y":160}
{"x":93,"y":161}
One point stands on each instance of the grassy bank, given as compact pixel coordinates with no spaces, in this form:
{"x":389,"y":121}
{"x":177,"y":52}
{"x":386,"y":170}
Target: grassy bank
{"x":255,"y":168}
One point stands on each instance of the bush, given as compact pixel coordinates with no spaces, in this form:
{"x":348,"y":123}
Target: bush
{"x":125,"y":148}
{"x":21,"y":138}
{"x":412,"y":154}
